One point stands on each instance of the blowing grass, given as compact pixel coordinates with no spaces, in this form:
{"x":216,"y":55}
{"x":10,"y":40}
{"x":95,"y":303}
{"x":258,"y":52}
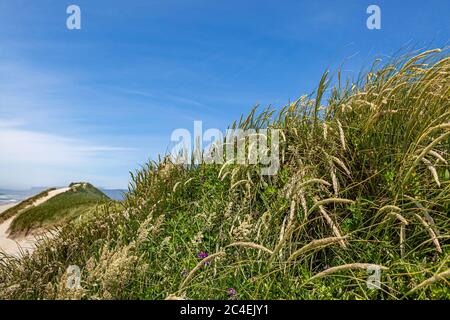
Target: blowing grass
{"x":352,"y":193}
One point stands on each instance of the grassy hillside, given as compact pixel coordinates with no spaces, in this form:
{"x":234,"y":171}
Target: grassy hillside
{"x":5,"y":215}
{"x":364,"y":181}
{"x":80,"y":199}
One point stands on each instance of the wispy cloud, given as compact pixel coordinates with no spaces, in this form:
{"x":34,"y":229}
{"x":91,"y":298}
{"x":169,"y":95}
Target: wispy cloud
{"x":27,"y":155}
{"x":165,"y":97}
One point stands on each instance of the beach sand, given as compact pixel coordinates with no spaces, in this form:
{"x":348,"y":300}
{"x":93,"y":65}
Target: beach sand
{"x":4,"y":207}
{"x":9,"y":246}
{"x":20,"y":246}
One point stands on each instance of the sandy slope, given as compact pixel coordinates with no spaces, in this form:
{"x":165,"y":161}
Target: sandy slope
{"x":4,"y":207}
{"x":24,"y":244}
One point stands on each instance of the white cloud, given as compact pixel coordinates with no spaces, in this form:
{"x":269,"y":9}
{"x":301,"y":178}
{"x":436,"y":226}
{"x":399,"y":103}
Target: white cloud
{"x":37,"y":158}
{"x":35,"y":148}
{"x":50,"y":134}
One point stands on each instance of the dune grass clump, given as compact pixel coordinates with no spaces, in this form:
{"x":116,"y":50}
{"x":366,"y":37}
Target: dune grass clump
{"x":363,"y":183}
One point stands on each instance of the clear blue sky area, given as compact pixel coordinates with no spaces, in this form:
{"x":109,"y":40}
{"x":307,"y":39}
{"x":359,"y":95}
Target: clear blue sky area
{"x":95,"y":103}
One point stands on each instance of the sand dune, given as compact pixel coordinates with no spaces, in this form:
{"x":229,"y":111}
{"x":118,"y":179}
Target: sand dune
{"x":26,"y":244}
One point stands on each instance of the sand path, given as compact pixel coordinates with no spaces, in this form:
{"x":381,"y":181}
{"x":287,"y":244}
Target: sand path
{"x":26,"y":244}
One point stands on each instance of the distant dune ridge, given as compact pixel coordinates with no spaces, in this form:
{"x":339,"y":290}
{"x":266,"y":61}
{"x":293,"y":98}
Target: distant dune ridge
{"x":14,"y":196}
{"x":21,"y":223}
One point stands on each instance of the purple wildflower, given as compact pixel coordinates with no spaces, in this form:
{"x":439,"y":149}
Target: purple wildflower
{"x":232,"y":293}
{"x":202,"y":255}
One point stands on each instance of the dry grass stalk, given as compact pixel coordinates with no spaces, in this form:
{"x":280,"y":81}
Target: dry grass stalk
{"x":334,"y":179}
{"x":425,"y":151}
{"x":389,"y":207}
{"x":428,"y":218}
{"x":341,"y":164}
{"x":113,"y":269}
{"x":286,"y":234}
{"x":351,"y":266}
{"x":330,"y":200}
{"x":399,"y":217}
{"x":243,"y":231}
{"x":428,"y":131}
{"x":292,"y":214}
{"x":433,"y":279}
{"x":219,"y":176}
{"x":333,"y":226}
{"x":430,"y":232}
{"x":174,"y":297}
{"x":238,"y":183}
{"x":188,"y":180}
{"x":304,"y":203}
{"x":438,"y":156}
{"x":402,"y":239}
{"x":250,"y":245}
{"x":283,"y":228}
{"x":325,"y":131}
{"x":315,"y":244}
{"x":144,"y":228}
{"x":432,"y":170}
{"x":197,"y":267}
{"x":176,"y":186}
{"x":341,"y":135}
{"x":314,"y":180}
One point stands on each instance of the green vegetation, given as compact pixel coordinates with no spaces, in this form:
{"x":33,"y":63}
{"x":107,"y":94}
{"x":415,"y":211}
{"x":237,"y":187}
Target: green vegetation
{"x":363,"y":180}
{"x":80,"y":199}
{"x":23,"y":205}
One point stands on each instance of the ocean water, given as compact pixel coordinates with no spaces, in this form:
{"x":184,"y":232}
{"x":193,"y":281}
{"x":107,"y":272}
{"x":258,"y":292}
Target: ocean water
{"x":115,"y":194}
{"x":9,"y":198}
{"x":12,"y":196}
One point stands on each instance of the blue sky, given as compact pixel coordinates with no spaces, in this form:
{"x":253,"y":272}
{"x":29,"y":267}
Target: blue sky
{"x":94,"y":104}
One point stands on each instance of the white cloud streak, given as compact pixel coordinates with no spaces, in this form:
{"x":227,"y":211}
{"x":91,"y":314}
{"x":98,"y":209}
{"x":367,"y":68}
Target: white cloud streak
{"x":26,"y":155}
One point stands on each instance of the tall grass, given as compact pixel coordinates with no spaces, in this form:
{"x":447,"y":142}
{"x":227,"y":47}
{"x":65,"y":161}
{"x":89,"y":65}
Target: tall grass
{"x":353,"y":191}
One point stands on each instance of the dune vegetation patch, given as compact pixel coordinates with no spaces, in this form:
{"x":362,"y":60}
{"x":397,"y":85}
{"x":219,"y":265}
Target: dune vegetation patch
{"x":363,"y":185}
{"x":78,"y":200}
{"x":23,"y":205}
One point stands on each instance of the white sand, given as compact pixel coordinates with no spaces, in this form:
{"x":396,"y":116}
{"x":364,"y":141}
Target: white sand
{"x":26,"y":244}
{"x":51,"y":194}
